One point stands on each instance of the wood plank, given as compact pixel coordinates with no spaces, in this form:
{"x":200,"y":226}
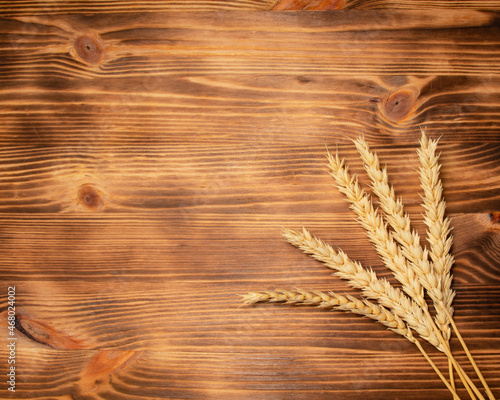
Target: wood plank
{"x":322,"y":5}
{"x":184,"y":68}
{"x":238,"y":178}
{"x":324,"y":43}
{"x":287,"y":349}
{"x":210,"y":248}
{"x":242,"y":371}
{"x":153,"y":316}
{"x":251,"y":110}
{"x":421,"y":4}
{"x":309,"y":5}
{"x":123,"y":6}
{"x":51,"y":7}
{"x":149,"y":159}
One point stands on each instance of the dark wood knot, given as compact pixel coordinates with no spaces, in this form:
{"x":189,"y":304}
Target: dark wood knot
{"x":89,"y":49}
{"x":303,"y":79}
{"x":43,"y":333}
{"x":399,"y":105}
{"x":90,"y":197}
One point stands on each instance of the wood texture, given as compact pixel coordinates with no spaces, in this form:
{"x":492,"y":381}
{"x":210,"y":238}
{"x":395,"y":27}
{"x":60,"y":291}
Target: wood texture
{"x":421,"y":4}
{"x":148,"y":160}
{"x":46,"y":7}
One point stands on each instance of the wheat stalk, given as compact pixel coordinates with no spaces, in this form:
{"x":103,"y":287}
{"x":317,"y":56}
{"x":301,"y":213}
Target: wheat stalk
{"x":333,"y":300}
{"x":345,"y":303}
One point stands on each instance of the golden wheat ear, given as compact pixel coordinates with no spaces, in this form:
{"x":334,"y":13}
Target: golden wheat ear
{"x":438,"y":227}
{"x":346,"y":303}
{"x":440,"y":240}
{"x":376,"y":230}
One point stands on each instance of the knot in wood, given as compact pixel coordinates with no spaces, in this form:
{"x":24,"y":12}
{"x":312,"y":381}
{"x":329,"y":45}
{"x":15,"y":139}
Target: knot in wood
{"x":43,"y":333}
{"x":89,"y":49}
{"x":399,"y":105}
{"x":90,"y":197}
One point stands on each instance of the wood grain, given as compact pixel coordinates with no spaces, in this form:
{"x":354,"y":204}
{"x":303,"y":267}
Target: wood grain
{"x":421,"y":4}
{"x":153,"y":6}
{"x":224,"y":179}
{"x":323,"y":5}
{"x":148,"y":160}
{"x":309,"y":5}
{"x":182,"y":373}
{"x":51,"y":7}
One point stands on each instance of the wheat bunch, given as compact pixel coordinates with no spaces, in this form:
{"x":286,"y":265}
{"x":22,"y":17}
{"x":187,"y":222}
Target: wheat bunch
{"x":420,"y":270}
{"x":437,"y":284}
{"x":375,"y":228}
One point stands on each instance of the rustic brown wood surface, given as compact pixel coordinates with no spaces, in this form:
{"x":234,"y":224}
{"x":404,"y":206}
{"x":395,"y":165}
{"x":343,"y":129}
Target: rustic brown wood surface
{"x":149,"y":159}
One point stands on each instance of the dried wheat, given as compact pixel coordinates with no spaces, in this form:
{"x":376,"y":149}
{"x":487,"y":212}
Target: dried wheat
{"x":440,"y":240}
{"x":401,"y":251}
{"x":438,"y":229}
{"x":366,"y":280}
{"x":336,"y":301}
{"x":408,"y":238}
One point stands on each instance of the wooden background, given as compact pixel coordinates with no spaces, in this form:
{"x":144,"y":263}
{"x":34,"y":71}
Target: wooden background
{"x":152,"y":151}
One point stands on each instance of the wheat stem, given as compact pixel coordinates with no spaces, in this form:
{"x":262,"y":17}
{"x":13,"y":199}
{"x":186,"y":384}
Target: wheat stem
{"x":467,"y":382}
{"x":461,"y":373}
{"x":471,"y":359}
{"x":450,"y":370}
{"x":451,"y":388}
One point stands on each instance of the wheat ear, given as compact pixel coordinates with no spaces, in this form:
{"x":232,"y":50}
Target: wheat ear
{"x":438,"y":227}
{"x":366,"y":280}
{"x":333,"y":300}
{"x":407,"y":237}
{"x":345,"y":303}
{"x":377,"y":231}
{"x":438,"y":236}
